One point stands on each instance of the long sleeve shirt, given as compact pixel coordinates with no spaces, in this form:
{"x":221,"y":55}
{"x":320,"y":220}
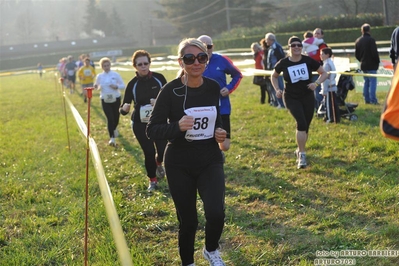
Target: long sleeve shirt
{"x":366,"y":52}
{"x":140,"y":90}
{"x":394,"y":51}
{"x":105,"y":79}
{"x":329,"y":84}
{"x":172,"y":104}
{"x":218,"y":67}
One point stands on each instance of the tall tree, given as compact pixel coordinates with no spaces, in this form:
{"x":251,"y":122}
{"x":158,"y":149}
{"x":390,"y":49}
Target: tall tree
{"x":96,"y":20}
{"x":193,"y":18}
{"x":91,"y":10}
{"x":118,"y":28}
{"x":25,"y":25}
{"x":357,"y":7}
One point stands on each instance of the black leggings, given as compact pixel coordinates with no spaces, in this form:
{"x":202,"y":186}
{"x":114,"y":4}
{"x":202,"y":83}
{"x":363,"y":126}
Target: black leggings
{"x":263,"y":91}
{"x":192,"y":169}
{"x":111,"y":111}
{"x":148,"y":148}
{"x":302,"y":109}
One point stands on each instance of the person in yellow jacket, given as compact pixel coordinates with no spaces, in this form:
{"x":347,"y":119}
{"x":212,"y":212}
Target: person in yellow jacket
{"x":86,"y":76}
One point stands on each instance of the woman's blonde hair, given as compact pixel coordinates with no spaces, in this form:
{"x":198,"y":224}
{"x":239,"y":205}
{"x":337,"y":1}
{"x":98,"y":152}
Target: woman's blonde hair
{"x":103,"y":60}
{"x":186,"y":43}
{"x":255,"y":47}
{"x":190,"y":42}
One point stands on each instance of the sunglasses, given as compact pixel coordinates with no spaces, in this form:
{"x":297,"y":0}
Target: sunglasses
{"x":209,"y":46}
{"x":141,"y":64}
{"x":296,"y":45}
{"x":189,"y":59}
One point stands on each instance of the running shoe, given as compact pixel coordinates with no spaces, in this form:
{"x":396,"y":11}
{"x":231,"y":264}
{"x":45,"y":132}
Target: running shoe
{"x":302,"y":160}
{"x":112,"y":142}
{"x":152,"y":186}
{"x":213,"y":258}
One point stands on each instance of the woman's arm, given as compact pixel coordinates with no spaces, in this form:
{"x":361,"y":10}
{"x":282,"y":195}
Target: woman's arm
{"x":274,"y":80}
{"x":322,"y":77}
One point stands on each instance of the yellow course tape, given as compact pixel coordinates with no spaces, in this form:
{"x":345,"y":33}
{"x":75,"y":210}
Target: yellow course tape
{"x":113,"y":218}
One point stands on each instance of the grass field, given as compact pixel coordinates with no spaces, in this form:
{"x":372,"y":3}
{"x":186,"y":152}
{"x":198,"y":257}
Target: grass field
{"x":347,"y":199}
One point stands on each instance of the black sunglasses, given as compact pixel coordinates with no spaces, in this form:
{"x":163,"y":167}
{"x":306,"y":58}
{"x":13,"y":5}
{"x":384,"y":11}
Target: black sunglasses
{"x":296,"y":45}
{"x":209,"y":46}
{"x":141,"y":64}
{"x":189,"y":59}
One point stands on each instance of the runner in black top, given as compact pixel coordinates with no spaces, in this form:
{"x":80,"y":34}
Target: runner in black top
{"x":143,"y":90}
{"x":187,"y":114}
{"x":298,"y":94}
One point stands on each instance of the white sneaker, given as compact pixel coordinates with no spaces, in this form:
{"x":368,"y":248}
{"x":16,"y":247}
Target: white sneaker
{"x":213,"y":258}
{"x":112,"y":142}
{"x":192,"y":264}
{"x":302,"y":160}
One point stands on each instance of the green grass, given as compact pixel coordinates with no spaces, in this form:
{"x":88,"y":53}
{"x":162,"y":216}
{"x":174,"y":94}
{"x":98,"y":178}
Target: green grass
{"x":275,"y":214}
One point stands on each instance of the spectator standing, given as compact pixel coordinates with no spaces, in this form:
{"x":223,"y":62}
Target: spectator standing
{"x":329,"y":87}
{"x":394,"y":51}
{"x":367,"y":54}
{"x":143,"y":90}
{"x":274,"y":54}
{"x":218,"y":67}
{"x":311,"y":45}
{"x":319,"y":34}
{"x":259,"y":80}
{"x":86,"y":76}
{"x":186,"y":113}
{"x":110,"y":82}
{"x":269,"y":89}
{"x":298,"y":95}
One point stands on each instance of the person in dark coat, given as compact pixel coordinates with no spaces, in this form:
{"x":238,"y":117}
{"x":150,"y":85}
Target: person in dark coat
{"x":367,"y":54}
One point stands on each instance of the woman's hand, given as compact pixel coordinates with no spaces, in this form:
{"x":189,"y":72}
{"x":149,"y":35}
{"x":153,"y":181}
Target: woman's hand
{"x":220,"y":135}
{"x":312,"y":86}
{"x":224,"y":92}
{"x":186,"y":123}
{"x":126,"y":107}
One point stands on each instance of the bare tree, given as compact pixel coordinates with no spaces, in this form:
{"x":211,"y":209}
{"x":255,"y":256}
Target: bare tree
{"x":355,"y":7}
{"x":25,"y":25}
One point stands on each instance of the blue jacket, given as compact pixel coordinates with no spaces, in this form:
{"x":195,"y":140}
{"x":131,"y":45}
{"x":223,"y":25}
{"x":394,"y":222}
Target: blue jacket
{"x":274,"y":54}
{"x":218,"y":67}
